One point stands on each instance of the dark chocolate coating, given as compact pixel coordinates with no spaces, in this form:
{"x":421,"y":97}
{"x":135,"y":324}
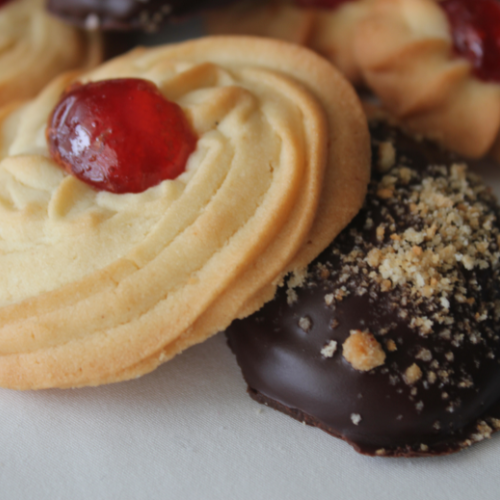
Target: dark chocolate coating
{"x":127,"y":14}
{"x":285,"y":369}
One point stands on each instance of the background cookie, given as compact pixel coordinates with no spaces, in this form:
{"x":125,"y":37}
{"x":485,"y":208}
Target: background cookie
{"x":432,"y":64}
{"x":326,"y":27}
{"x":37,"y":47}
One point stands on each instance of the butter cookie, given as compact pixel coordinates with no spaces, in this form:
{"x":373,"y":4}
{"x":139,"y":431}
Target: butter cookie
{"x":35,"y":47}
{"x":326,"y":26}
{"x":103,"y":283}
{"x":434,"y":65}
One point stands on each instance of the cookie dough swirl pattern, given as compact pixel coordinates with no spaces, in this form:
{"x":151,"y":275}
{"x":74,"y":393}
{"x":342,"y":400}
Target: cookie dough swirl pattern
{"x":35,"y":47}
{"x":405,"y":51}
{"x":101,"y":287}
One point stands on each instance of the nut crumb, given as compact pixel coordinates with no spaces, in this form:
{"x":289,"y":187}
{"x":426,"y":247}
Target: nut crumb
{"x":298,"y":278}
{"x":386,"y":156}
{"x":362,"y":351}
{"x":391,"y":345}
{"x":305,"y":323}
{"x":355,"y":418}
{"x":329,"y":349}
{"x":291,"y":296}
{"x":380,"y":232}
{"x":412,"y":374}
{"x":329,"y":299}
{"x":424,"y":355}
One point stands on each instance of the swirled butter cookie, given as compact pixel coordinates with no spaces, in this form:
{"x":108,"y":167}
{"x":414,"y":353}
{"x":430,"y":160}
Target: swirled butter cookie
{"x":434,"y":65}
{"x":35,"y":47}
{"x":252,"y":155}
{"x":326,"y":26}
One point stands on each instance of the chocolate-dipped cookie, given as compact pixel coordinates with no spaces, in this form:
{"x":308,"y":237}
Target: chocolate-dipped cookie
{"x":126,"y":14}
{"x":390,"y":339}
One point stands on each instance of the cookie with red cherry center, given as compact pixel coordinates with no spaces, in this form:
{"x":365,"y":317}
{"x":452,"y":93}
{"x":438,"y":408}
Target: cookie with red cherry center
{"x":147,"y":203}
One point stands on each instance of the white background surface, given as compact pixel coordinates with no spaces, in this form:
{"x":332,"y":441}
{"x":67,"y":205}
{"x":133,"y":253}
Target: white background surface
{"x":189,"y":431}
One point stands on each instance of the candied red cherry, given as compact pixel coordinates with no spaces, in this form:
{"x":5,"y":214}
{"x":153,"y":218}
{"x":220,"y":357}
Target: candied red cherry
{"x":322,"y":4}
{"x":119,"y":135}
{"x":3,"y":2}
{"x":475,"y":27}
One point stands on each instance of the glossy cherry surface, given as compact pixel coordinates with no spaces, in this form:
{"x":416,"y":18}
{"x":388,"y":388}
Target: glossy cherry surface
{"x":322,"y":4}
{"x":3,"y":2}
{"x":119,"y":135}
{"x":475,"y":25}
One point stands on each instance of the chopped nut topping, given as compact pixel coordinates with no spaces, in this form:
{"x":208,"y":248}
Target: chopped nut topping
{"x":329,"y":350}
{"x":324,"y":271}
{"x":386,"y":285}
{"x":329,"y":299}
{"x":424,"y":253}
{"x":484,"y":431}
{"x":412,"y":374}
{"x":305,"y":323}
{"x":380,"y":233}
{"x":424,"y":355}
{"x":385,"y":193}
{"x":386,"y":156}
{"x":362,"y":351}
{"x":297,"y":278}
{"x":391,"y":345}
{"x":291,"y":296}
{"x":465,"y":384}
{"x":355,"y":418}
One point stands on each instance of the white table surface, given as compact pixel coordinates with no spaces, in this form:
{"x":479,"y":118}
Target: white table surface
{"x":189,"y":431}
